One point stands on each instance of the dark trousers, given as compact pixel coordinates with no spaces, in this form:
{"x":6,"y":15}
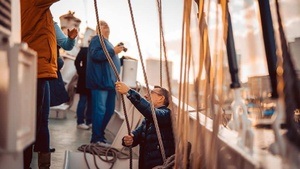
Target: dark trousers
{"x":42,"y":138}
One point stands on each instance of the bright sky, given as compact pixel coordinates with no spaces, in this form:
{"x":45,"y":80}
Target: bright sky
{"x":117,"y":14}
{"x":245,"y":20}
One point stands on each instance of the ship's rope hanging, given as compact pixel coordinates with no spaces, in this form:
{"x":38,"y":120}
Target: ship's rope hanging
{"x":183,"y":120}
{"x":198,"y":148}
{"x":182,"y":114}
{"x":160,"y":42}
{"x":170,"y":160}
{"x":163,"y":47}
{"x":147,"y":86}
{"x":101,"y":38}
{"x":205,"y":147}
{"x":216,"y":96}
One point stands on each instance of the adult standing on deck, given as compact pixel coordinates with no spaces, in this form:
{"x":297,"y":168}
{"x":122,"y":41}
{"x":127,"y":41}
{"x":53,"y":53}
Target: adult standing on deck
{"x":83,"y":110}
{"x":38,"y":32}
{"x":100,"y":78}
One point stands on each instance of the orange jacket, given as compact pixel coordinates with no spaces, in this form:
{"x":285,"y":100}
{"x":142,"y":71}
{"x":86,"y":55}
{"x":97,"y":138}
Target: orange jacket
{"x":38,"y":32}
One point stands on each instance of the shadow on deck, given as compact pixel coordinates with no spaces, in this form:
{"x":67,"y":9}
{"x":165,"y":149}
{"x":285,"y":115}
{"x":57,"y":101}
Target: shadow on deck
{"x":64,"y":136}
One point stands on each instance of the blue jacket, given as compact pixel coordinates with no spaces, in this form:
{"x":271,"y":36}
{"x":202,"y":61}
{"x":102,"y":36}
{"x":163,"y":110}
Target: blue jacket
{"x":145,"y":135}
{"x":99,"y":74}
{"x":62,"y":40}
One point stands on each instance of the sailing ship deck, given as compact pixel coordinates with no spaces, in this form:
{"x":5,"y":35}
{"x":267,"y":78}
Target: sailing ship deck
{"x":66,"y":137}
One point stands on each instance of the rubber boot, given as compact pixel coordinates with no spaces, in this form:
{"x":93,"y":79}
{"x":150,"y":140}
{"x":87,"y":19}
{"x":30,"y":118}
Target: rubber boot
{"x":44,"y":160}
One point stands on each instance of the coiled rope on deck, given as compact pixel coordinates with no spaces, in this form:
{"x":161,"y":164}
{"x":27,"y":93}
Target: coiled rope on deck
{"x":104,"y":153}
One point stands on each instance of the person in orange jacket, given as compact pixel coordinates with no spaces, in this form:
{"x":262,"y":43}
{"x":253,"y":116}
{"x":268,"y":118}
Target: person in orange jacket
{"x":38,"y":32}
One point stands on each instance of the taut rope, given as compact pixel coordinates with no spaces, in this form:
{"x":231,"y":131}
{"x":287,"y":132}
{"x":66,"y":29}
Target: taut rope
{"x":163,"y":44}
{"x":160,"y":42}
{"x":147,"y":85}
{"x":116,"y":74}
{"x":183,"y":115}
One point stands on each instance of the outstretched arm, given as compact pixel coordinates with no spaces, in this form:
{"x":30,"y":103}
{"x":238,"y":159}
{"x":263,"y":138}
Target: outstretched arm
{"x":63,"y":41}
{"x":142,"y":104}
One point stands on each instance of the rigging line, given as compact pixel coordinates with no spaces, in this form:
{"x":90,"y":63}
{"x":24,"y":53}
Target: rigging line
{"x":183,"y":115}
{"x":208,"y":93}
{"x":203,"y":53}
{"x":166,"y":59}
{"x":101,"y":38}
{"x":180,"y":116}
{"x":162,"y":149}
{"x":185,"y":99}
{"x":186,"y":119}
{"x":159,"y":4}
{"x":160,"y":42}
{"x":211,"y":141}
{"x":163,"y":44}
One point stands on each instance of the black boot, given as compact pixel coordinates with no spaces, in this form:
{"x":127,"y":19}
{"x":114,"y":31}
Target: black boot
{"x":44,"y":160}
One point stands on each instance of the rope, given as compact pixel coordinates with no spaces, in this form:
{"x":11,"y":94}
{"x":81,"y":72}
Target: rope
{"x":169,"y":163}
{"x":106,"y":154}
{"x":183,"y":116}
{"x":101,"y":38}
{"x":160,"y":42}
{"x":204,"y":55}
{"x":147,"y":85}
{"x":165,"y":52}
{"x":163,"y":43}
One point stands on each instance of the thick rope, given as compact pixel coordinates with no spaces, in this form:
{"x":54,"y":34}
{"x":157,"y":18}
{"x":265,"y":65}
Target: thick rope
{"x":183,"y":115}
{"x":101,"y":38}
{"x":147,"y":85}
{"x":159,"y":5}
{"x":204,"y":54}
{"x":169,"y":163}
{"x":163,"y":43}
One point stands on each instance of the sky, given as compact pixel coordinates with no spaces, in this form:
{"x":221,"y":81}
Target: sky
{"x":245,"y":21}
{"x":117,"y":14}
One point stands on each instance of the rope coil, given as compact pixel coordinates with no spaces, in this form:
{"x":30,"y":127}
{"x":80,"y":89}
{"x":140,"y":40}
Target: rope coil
{"x":106,"y":154}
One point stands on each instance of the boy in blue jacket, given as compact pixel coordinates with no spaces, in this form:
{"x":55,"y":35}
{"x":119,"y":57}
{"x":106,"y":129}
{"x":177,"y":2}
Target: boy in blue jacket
{"x":145,"y":135}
